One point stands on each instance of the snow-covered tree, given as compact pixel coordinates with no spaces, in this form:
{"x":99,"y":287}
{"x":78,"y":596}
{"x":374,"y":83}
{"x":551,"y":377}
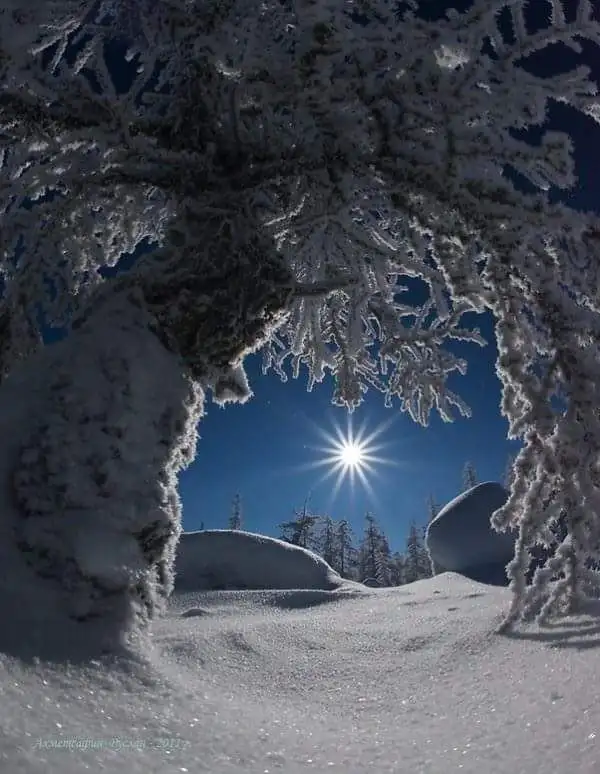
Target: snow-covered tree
{"x":374,"y":554}
{"x":295,"y":168}
{"x":325,"y":540}
{"x":432,"y":508}
{"x":397,"y":569}
{"x":383,"y":558}
{"x":469,"y":476}
{"x":417,"y":564}
{"x":509,"y":472}
{"x":300,"y":531}
{"x":345,"y":552}
{"x":235,"y":519}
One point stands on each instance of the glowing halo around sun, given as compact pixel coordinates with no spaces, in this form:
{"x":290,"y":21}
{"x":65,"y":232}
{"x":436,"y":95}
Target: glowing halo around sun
{"x":352,"y":455}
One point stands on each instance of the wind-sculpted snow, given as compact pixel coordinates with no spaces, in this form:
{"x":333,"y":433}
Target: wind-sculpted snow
{"x":385,"y":681}
{"x":232,"y":559}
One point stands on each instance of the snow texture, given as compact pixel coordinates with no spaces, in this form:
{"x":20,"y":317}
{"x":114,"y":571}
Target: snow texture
{"x":95,"y":429}
{"x":461,"y":538}
{"x":233,"y":559}
{"x":410,"y":679}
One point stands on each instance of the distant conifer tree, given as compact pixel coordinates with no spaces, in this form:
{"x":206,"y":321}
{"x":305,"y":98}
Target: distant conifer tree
{"x":235,"y":519}
{"x":469,"y":476}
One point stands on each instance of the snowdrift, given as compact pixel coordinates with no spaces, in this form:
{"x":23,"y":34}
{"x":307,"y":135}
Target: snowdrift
{"x":224,"y":559}
{"x":461,"y":539}
{"x":389,"y":681}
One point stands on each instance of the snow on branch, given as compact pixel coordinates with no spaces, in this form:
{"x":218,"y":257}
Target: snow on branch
{"x":378,"y":149}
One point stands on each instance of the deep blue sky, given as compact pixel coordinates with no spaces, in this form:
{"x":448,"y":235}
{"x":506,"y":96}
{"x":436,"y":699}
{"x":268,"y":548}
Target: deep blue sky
{"x":262,"y":449}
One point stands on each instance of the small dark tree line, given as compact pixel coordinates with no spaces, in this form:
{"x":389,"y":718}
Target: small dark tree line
{"x":366,"y":558}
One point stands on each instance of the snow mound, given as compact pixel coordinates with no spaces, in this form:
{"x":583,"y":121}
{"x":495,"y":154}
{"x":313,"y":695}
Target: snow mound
{"x":222,"y":559}
{"x":461,"y":539}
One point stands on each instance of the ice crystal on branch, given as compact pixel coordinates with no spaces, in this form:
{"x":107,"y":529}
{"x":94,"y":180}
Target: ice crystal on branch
{"x":360,"y":162}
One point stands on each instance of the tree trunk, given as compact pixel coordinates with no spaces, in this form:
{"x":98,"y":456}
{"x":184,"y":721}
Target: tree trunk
{"x":96,"y":429}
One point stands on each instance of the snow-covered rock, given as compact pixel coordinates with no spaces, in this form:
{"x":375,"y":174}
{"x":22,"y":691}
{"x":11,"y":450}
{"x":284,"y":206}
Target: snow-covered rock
{"x":233,"y":559}
{"x":461,"y":539}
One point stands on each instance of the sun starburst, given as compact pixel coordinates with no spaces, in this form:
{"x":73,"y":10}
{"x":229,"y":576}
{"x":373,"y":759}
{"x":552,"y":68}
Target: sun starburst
{"x":352,"y":455}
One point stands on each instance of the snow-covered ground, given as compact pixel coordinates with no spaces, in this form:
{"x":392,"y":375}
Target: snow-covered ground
{"x":410,"y":679}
